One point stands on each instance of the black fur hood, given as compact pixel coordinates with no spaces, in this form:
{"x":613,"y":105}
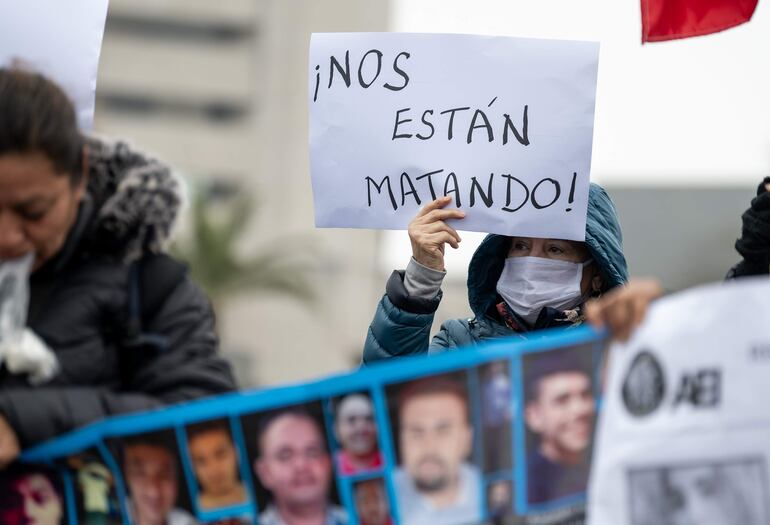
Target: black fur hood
{"x":133,"y":201}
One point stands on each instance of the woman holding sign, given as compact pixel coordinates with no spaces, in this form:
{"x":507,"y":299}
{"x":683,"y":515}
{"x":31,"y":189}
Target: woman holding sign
{"x":515,"y":284}
{"x":112,"y":325}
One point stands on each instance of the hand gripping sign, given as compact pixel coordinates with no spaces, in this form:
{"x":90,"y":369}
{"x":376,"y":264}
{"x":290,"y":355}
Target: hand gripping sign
{"x":503,"y":125}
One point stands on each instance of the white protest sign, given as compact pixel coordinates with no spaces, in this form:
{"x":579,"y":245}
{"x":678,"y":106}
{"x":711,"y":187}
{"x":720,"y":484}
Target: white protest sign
{"x":685,"y":432}
{"x":60,"y":39}
{"x":502,"y":125}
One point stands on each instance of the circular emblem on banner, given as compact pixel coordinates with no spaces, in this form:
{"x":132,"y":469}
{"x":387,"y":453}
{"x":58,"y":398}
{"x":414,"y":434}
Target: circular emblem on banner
{"x":644,"y":385}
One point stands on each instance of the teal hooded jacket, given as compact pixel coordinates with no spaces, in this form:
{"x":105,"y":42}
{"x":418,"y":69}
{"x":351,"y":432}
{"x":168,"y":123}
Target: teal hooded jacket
{"x":401,"y":324}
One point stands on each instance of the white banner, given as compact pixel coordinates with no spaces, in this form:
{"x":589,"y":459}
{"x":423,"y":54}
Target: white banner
{"x":685,"y":433}
{"x":60,"y":39}
{"x":503,"y":125}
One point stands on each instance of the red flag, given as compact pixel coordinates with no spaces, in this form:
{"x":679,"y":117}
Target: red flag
{"x":671,"y":19}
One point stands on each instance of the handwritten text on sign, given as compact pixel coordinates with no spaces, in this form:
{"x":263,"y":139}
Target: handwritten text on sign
{"x":502,"y":125}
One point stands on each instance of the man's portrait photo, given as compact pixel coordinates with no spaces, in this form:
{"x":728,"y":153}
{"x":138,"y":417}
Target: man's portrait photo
{"x":292,"y":467}
{"x":436,"y":482}
{"x":371,"y":500}
{"x":560,"y":413}
{"x":153,"y":479}
{"x":214,"y":460}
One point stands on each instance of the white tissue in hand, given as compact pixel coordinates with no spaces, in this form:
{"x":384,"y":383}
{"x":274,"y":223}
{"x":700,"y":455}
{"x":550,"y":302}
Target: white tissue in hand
{"x":14,"y":298}
{"x":30,"y":355}
{"x":22,"y":351}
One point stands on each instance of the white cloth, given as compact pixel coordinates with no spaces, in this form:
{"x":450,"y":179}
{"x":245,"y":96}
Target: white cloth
{"x":22,"y":351}
{"x":30,"y":355}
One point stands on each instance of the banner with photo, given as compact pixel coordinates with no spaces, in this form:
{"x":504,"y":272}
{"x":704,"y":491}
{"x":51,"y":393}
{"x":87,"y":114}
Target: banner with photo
{"x":685,"y":433}
{"x":501,"y":433}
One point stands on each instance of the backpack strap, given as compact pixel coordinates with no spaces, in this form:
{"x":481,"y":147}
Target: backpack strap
{"x":151,"y":280}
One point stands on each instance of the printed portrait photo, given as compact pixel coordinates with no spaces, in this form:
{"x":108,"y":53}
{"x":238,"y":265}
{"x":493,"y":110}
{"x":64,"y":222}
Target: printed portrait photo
{"x":709,"y":492}
{"x":153,"y":478}
{"x":496,"y":416}
{"x":560,"y":417}
{"x":370,"y":498}
{"x":215,"y":464}
{"x":436,"y":480}
{"x":31,"y":495}
{"x":355,"y":433}
{"x":499,"y":499}
{"x":292,"y":466}
{"x":95,"y":489}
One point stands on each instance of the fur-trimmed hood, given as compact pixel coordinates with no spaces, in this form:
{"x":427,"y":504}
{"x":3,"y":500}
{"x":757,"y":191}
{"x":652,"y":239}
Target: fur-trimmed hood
{"x":603,"y":238}
{"x":134,"y":201}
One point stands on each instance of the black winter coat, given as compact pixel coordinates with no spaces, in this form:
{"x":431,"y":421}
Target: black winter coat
{"x":79,"y":305}
{"x":754,"y":243}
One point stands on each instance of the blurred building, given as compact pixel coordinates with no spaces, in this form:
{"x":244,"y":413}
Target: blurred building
{"x":218,"y":90}
{"x":683,"y":235}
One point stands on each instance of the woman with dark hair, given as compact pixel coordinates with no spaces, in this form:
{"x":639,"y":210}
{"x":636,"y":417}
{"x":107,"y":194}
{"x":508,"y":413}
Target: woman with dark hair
{"x":128,"y":329}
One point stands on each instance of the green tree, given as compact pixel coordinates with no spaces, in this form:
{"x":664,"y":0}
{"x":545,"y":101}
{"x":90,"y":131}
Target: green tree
{"x":281,"y":266}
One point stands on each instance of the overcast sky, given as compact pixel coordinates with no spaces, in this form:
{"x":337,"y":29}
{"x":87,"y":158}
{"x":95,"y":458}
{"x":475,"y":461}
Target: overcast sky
{"x":694,"y":111}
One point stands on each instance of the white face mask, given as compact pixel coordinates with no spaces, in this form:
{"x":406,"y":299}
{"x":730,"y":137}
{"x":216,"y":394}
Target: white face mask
{"x":529,"y":284}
